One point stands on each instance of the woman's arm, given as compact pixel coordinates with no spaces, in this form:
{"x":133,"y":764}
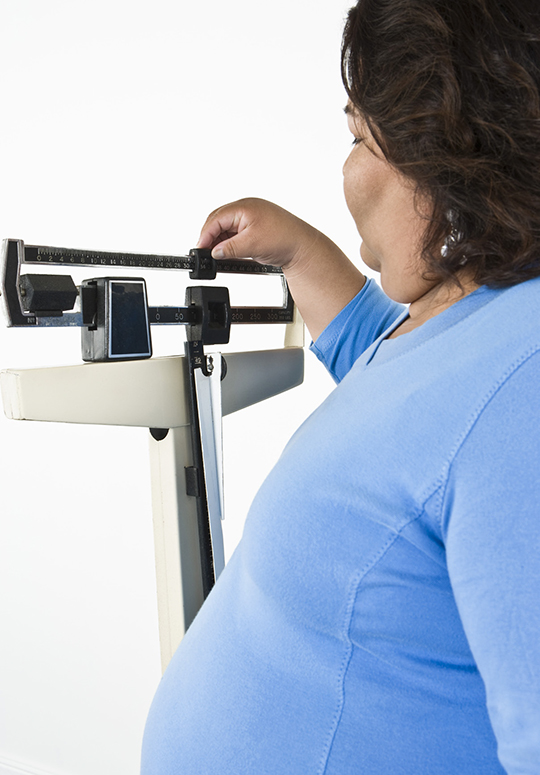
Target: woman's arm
{"x":491,"y":526}
{"x":321,"y":278}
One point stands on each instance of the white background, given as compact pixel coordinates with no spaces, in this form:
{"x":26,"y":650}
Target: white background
{"x":123,"y":124}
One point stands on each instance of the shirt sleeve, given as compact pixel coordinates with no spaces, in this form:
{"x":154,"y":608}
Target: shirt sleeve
{"x":491,"y":525}
{"x":355,"y":328}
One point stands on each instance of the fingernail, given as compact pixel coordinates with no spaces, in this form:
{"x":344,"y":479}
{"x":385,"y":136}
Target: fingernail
{"x":218,"y":252}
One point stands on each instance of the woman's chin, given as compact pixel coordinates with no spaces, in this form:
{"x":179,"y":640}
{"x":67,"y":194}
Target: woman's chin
{"x":369,"y":259}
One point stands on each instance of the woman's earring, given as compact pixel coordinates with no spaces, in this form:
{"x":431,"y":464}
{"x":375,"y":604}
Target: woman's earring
{"x":453,"y":238}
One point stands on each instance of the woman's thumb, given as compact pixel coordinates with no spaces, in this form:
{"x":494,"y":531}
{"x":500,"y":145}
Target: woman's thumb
{"x":234,"y":247}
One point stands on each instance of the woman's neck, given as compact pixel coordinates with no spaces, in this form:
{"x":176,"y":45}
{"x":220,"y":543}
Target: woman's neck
{"x":436,"y":300}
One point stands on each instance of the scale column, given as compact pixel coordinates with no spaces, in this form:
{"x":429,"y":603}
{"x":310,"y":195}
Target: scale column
{"x":176,"y":538}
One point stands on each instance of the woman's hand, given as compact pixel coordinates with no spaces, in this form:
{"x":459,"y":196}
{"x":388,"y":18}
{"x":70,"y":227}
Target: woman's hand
{"x":321,"y":278}
{"x":255,"y":228}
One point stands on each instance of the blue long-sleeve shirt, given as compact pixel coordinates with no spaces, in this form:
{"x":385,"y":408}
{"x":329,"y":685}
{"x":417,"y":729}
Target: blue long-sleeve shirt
{"x":381,"y":614}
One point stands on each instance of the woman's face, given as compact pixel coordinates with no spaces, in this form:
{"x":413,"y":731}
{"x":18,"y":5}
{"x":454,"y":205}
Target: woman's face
{"x":382,"y":204}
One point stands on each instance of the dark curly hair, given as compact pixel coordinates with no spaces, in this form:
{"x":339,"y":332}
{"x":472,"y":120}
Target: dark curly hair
{"x":450,"y":90}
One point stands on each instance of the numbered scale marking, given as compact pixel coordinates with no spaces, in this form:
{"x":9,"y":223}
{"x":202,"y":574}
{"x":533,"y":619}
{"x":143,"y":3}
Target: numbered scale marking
{"x":15,"y":255}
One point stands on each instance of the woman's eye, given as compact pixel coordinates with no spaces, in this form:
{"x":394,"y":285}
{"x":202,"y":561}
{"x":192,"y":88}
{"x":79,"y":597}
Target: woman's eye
{"x":358,"y":140}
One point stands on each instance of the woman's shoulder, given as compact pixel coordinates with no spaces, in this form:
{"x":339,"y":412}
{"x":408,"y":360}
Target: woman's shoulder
{"x":496,"y":326}
{"x":519,"y":304}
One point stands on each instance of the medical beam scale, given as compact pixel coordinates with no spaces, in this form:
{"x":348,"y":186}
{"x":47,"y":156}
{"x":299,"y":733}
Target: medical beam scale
{"x":181,"y":399}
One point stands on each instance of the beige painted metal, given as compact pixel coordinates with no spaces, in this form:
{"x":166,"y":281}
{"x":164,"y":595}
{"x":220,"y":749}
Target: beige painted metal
{"x":154,"y":394}
{"x":176,"y":540}
{"x":147,"y":394}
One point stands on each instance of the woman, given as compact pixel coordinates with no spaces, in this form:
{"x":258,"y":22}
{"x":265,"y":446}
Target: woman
{"x":381,"y":613}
